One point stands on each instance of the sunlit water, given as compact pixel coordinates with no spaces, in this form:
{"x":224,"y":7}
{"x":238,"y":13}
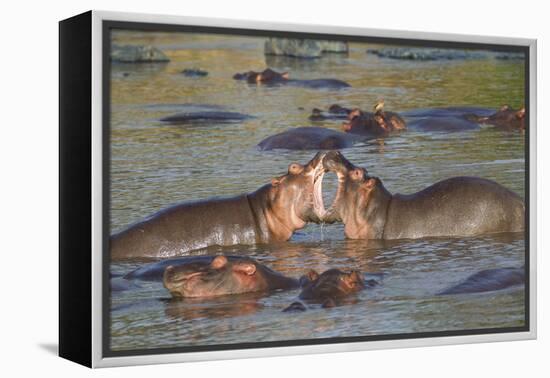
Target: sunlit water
{"x":155,"y":165}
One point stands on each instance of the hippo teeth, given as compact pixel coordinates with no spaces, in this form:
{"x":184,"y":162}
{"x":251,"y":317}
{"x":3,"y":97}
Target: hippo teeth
{"x":318,"y":203}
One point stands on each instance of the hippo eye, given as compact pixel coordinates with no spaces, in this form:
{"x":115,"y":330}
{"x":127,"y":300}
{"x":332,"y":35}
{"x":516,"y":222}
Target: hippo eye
{"x":295,"y":168}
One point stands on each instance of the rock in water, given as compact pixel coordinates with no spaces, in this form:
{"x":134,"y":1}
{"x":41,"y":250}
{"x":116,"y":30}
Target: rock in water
{"x":303,"y":48}
{"x":137,"y":54}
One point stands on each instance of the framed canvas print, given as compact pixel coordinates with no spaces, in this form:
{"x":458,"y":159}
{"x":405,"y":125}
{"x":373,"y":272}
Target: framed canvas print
{"x":233,"y":189}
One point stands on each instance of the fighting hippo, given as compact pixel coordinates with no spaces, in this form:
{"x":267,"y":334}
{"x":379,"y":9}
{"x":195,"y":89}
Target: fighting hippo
{"x":329,"y":288}
{"x":505,"y":118}
{"x":459,"y":206}
{"x":377,"y":124}
{"x":309,"y":138}
{"x":488,"y":280}
{"x":271,"y":77}
{"x":270,"y":214}
{"x":223,"y":276}
{"x":205,"y":116}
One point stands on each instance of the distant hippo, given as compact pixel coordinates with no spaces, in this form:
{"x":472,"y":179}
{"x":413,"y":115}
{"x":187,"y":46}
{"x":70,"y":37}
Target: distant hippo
{"x":329,"y":288}
{"x":488,"y":280}
{"x":449,"y":119}
{"x":308,"y":138}
{"x":506,"y":118}
{"x":270,"y":214}
{"x":377,"y":124}
{"x":271,"y":77}
{"x":459,"y":206}
{"x":205,"y":116}
{"x":223,"y":276}
{"x":335,"y":111}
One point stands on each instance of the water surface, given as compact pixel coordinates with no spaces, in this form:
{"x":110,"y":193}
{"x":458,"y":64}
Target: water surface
{"x":155,"y":165}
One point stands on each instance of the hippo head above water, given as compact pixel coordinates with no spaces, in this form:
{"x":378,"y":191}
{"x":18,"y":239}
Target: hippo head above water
{"x":295,"y":198}
{"x":378,"y":123}
{"x":355,"y":190}
{"x":267,"y":76}
{"x":223,"y":276}
{"x":505,"y":117}
{"x":332,"y":285}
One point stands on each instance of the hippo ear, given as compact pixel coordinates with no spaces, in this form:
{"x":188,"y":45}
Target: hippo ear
{"x":285,"y":75}
{"x":312,"y":275}
{"x":504,"y":108}
{"x":245,"y":267}
{"x":520,"y":113}
{"x":370,"y":183}
{"x":295,"y":168}
{"x":346,"y":126}
{"x":219,"y":262}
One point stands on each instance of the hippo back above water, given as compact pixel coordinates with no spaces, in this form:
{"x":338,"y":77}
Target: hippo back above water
{"x":459,"y":206}
{"x":308,"y":138}
{"x":271,"y":77}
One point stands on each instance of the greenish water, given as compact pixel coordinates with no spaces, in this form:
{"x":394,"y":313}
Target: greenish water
{"x":155,"y":165}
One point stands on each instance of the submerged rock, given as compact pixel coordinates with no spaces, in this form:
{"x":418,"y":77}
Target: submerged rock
{"x":421,"y":53}
{"x":303,"y":48}
{"x":137,"y":54}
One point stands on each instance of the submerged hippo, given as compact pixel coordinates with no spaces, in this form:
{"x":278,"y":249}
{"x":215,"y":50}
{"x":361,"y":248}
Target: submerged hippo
{"x":270,"y":214}
{"x":308,"y":138}
{"x":379,"y":123}
{"x":329,"y":288}
{"x":335,"y":111}
{"x":223,"y":276}
{"x":488,"y":280}
{"x":271,"y":77}
{"x":448,"y":119}
{"x":505,"y":118}
{"x":459,"y":206}
{"x":205,"y":116}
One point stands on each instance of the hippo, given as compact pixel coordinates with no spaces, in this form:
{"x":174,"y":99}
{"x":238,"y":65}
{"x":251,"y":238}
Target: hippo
{"x":458,"y":206}
{"x":205,"y":116}
{"x":448,"y":119}
{"x":271,"y":77}
{"x":270,"y":214}
{"x":329,"y":288}
{"x":335,"y":111}
{"x":309,"y":138}
{"x":488,"y":280}
{"x":505,"y":118}
{"x":377,"y":124}
{"x":194,"y":72}
{"x":223,"y":276}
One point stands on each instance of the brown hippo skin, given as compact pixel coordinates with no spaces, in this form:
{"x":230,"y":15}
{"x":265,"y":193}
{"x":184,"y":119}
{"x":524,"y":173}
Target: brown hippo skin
{"x":377,"y":124}
{"x":505,"y":118}
{"x":308,"y":138}
{"x":270,"y":214}
{"x":329,"y":288}
{"x":223,"y":276}
{"x":459,"y":206}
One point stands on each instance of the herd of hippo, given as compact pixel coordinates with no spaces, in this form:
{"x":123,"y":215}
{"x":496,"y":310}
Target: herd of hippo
{"x":456,"y":207}
{"x":357,"y":125}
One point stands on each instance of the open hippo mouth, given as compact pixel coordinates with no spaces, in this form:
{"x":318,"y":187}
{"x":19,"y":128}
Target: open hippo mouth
{"x":318,"y":203}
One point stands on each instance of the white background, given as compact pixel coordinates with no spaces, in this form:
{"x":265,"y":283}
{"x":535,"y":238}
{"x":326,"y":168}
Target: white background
{"x":29,"y":215}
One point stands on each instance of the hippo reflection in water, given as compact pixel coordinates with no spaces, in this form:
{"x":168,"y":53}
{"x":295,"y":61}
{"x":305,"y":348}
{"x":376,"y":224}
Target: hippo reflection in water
{"x":223,"y":276}
{"x":270,"y":214}
{"x":459,"y":206}
{"x":271,"y":77}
